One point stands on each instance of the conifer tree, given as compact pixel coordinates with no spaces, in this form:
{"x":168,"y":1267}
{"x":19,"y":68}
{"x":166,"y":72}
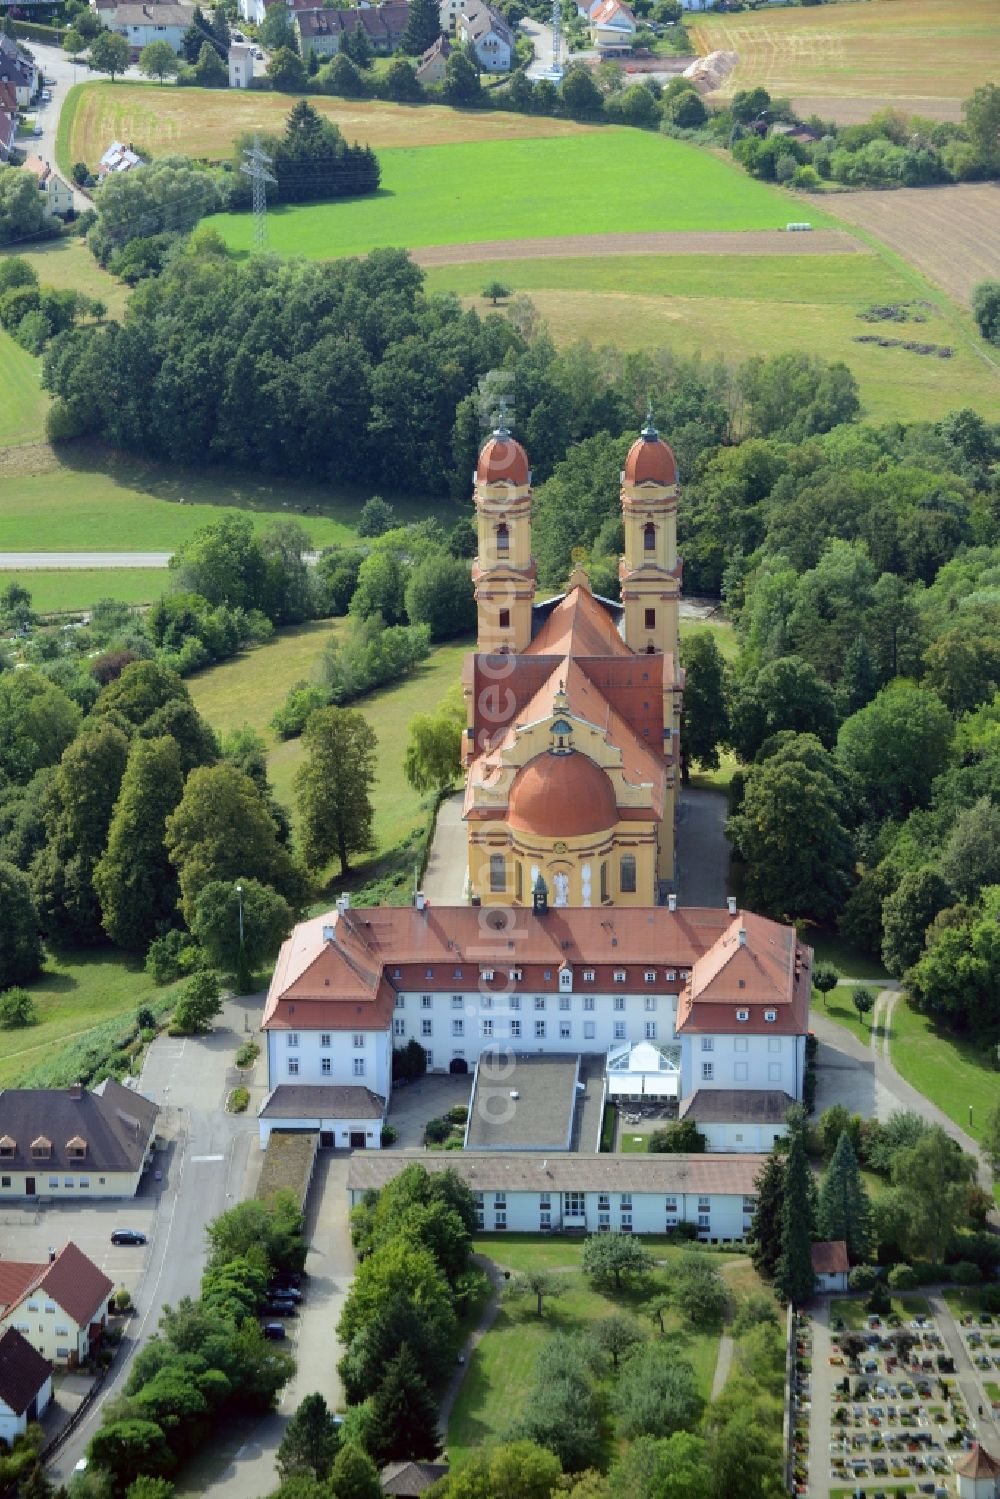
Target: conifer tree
{"x":795,"y":1280}
{"x":765,"y":1235}
{"x":423,"y":27}
{"x":404,"y":1415}
{"x":844,"y":1209}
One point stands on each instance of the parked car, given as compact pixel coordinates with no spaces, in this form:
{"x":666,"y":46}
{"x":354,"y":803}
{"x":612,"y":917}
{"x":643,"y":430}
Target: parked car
{"x":286,"y":1278}
{"x":273,"y":1330}
{"x":280,"y":1309}
{"x":127,"y":1236}
{"x":284,"y":1293}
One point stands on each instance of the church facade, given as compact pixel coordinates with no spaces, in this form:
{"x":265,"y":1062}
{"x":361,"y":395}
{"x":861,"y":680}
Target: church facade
{"x":573,"y":703}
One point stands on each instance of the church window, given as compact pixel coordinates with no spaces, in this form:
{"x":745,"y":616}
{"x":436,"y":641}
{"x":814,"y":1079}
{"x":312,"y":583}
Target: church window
{"x":505,"y":619}
{"x":604,"y":883}
{"x":498,"y":874}
{"x":628,"y":874}
{"x":503,"y":540}
{"x":650,"y":619}
{"x":649,"y":537}
{"x":518,"y":882}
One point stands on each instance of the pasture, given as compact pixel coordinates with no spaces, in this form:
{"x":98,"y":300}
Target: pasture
{"x":736,"y":306}
{"x":612,"y":180}
{"x":205,"y":122}
{"x":846,"y":61}
{"x":23,"y":403}
{"x":65,"y":590}
{"x":67,"y":263}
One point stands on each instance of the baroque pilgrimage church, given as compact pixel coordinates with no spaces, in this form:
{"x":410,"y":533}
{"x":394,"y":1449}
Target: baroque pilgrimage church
{"x":564,"y":982}
{"x":574,"y":703}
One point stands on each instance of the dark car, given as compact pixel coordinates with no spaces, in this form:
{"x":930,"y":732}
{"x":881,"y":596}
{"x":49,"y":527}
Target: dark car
{"x":273,"y":1330}
{"x":127,"y":1236}
{"x":284,"y":1293}
{"x":287,"y":1278}
{"x":280,"y":1309}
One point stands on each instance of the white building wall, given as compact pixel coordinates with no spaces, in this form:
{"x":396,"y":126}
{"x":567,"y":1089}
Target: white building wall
{"x":141,"y":36}
{"x":341,"y":1129}
{"x":12,"y":1426}
{"x":735,"y":1061}
{"x":354,"y":1058}
{"x":751,"y":1138}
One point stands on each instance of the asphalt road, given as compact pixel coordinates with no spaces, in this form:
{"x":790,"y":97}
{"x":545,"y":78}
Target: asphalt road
{"x":208,"y":1158}
{"x":35,"y":561}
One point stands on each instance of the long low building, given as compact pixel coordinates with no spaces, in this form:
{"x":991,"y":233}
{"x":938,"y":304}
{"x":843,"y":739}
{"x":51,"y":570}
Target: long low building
{"x":639,"y":1194}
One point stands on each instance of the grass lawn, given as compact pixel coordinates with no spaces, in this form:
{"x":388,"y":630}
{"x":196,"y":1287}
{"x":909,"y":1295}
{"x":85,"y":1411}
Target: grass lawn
{"x":839,"y":1007}
{"x":88,"y":498}
{"x":720,"y":629}
{"x":206,"y":122}
{"x":737,"y":306}
{"x":848,"y":961}
{"x":569,"y":184}
{"x":23,"y":403}
{"x":963,"y":1299}
{"x":77,"y":991}
{"x":951,"y":1072}
{"x":630,"y":1144}
{"x":852,"y":1313}
{"x":76,"y":588}
{"x":921,"y":51}
{"x":502,"y":1367}
{"x":249,"y":689}
{"x":67,"y":263}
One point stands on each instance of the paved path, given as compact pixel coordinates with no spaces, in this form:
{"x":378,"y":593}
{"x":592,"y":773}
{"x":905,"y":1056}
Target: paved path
{"x":447,"y":864}
{"x":969,"y":1379}
{"x":677,"y":242}
{"x":483,"y":1326}
{"x":702,"y":848}
{"x":722,"y":1365}
{"x":41,"y":561}
{"x":821,"y":1382}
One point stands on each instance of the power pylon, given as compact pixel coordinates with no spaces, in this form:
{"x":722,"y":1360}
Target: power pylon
{"x":255,"y":167}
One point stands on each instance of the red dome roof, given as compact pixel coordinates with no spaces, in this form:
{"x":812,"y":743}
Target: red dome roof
{"x":562,"y":796}
{"x":502,"y":458}
{"x":650,"y":460}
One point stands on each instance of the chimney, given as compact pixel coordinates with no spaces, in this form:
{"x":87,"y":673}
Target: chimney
{"x":672,"y":901}
{"x":343,"y":904}
{"x":731,"y":903}
{"x":52,"y":1255}
{"x":76,"y":1090}
{"x":742,"y":936}
{"x":420,"y":900}
{"x":328,"y":935}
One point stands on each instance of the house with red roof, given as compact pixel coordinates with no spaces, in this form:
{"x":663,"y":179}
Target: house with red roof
{"x":612,"y":26}
{"x":60,"y":1308}
{"x":831,"y":1265}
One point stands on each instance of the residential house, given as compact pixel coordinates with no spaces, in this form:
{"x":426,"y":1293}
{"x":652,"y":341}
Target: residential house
{"x":25,"y":1385}
{"x":241,"y":62}
{"x":56,"y":194}
{"x":431,"y":67}
{"x":318,"y":31}
{"x":612,"y":26}
{"x":18,"y":68}
{"x":830,"y":1265}
{"x":450,"y":10}
{"x":641,"y":1194}
{"x":489,"y":34}
{"x":152,"y":22}
{"x":9,"y":116}
{"x":409,"y":1480}
{"x":60,"y":1308}
{"x":71,"y":1143}
{"x":323,"y":30}
{"x":118,"y":158}
{"x":721,"y":995}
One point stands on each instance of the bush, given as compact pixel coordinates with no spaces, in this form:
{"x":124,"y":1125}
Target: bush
{"x":239,"y":1098}
{"x":123,"y":1300}
{"x":986,"y":310}
{"x":17,"y":1009}
{"x":863,"y":1278}
{"x":902,"y":1278}
{"x":436,"y":1131}
{"x":807,"y":178}
{"x":172,"y":957}
{"x":302,"y":700}
{"x":389,"y":1135}
{"x":458,"y":1113}
{"x":965,"y":1273}
{"x":247,"y":1054}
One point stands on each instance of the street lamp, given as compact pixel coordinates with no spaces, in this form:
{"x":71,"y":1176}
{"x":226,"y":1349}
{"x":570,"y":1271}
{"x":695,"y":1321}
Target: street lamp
{"x":239,"y":892}
{"x":970,"y":1118}
{"x":243,"y":978}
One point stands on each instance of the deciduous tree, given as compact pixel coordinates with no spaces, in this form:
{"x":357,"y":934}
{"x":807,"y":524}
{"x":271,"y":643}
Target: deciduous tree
{"x":333,"y":786}
{"x":433,"y":753}
{"x":267,"y":921}
{"x":615,"y":1336}
{"x":108,"y":53}
{"x":933,"y":1176}
{"x":705,"y":721}
{"x":439,"y":594}
{"x":657,"y":1394}
{"x":895,"y":747}
{"x":158,"y":60}
{"x":20,"y":942}
{"x":614,"y":1257}
{"x":134,"y":880}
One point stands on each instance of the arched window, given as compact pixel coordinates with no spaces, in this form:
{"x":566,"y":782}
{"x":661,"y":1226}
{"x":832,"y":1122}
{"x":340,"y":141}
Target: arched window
{"x":649,"y":537}
{"x":503,"y":540}
{"x":628,"y":874}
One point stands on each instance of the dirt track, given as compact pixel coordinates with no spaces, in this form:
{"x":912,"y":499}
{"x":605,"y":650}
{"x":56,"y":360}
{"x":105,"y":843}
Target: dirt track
{"x":706,"y":242}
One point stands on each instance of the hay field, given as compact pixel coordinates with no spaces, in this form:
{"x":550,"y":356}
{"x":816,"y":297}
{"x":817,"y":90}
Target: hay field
{"x":736,"y":306}
{"x":952,"y":234}
{"x":846,"y":61}
{"x":205,"y":122}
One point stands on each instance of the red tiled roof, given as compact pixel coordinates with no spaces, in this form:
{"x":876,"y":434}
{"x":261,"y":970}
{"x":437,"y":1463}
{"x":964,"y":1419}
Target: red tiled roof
{"x":502,"y":458}
{"x":562,"y":796}
{"x":76,"y":1284}
{"x":977,"y":1463}
{"x":579,"y":625}
{"x":759,"y":967}
{"x":650,"y":460}
{"x":23,"y":1371}
{"x":829,"y":1257}
{"x":15,"y":1278}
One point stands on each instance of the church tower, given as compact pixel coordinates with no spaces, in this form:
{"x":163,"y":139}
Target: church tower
{"x":650,"y":572}
{"x":504,"y":570}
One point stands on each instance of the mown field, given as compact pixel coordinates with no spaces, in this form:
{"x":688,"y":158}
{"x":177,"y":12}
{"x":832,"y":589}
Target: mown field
{"x":846,"y":61}
{"x":206,"y":122}
{"x":62,"y":590}
{"x":611,"y":180}
{"x":954,"y":1073}
{"x":737,"y":306}
{"x":23,"y":403}
{"x":249,"y":689}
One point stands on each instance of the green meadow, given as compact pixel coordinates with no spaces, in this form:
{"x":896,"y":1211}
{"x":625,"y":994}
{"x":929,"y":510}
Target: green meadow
{"x":66,"y":590}
{"x":614,"y":180}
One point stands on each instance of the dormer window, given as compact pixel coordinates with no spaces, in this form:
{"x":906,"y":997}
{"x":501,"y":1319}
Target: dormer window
{"x":41,"y":1148}
{"x":770,"y":1016}
{"x":743,"y":1016}
{"x":650,"y":975}
{"x":588,"y":975}
{"x":488,"y":975}
{"x":8,"y":1146}
{"x":619,"y":975}
{"x":76,"y":1148}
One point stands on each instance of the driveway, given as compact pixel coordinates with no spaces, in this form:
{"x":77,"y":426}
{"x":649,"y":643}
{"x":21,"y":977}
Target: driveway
{"x":205,"y":1161}
{"x":447,"y":865}
{"x":702,"y":847}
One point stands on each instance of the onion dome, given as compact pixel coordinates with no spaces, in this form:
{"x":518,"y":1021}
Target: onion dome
{"x":650,"y":460}
{"x":502,"y":459}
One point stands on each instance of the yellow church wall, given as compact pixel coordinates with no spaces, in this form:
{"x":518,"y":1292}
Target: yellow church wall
{"x":523,"y":855}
